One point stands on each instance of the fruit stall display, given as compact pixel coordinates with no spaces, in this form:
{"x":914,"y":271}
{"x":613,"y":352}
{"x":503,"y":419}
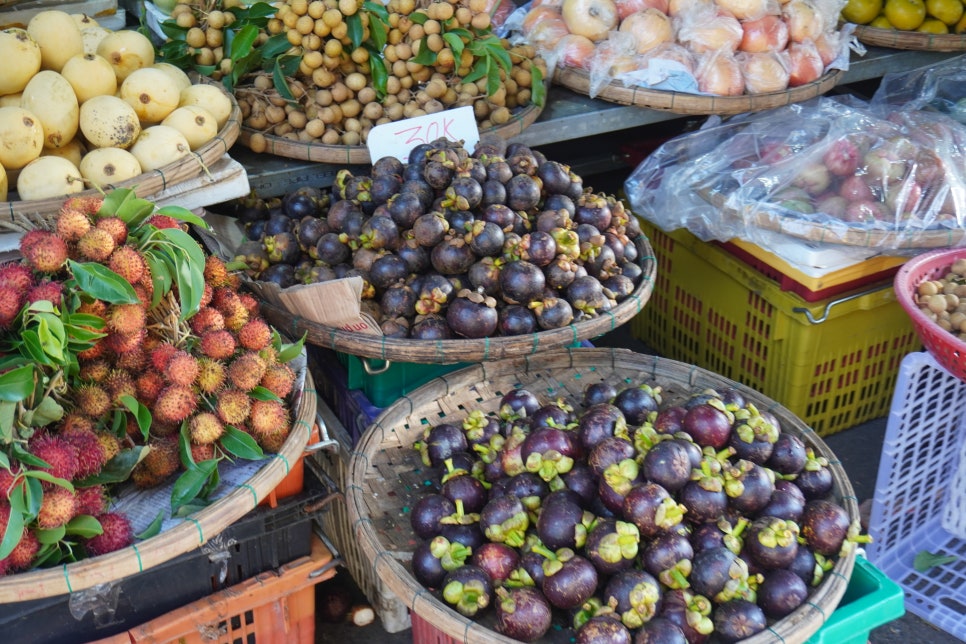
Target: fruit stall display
{"x":721,"y":57}
{"x":84,"y":109}
{"x":679,"y":504}
{"x":130,"y":358}
{"x":462,"y":256}
{"x":936,"y":25}
{"x":313,"y":78}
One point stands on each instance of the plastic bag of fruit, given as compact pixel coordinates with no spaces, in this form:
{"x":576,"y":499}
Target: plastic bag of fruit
{"x":940,"y":87}
{"x":830,"y":167}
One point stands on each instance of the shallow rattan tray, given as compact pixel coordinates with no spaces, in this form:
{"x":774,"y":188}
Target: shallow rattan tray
{"x":359,"y":154}
{"x":466,"y":350}
{"x":909,"y":39}
{"x":184,"y":537}
{"x":20,"y":216}
{"x":386,"y":475}
{"x":840,"y":232}
{"x":578,"y":80}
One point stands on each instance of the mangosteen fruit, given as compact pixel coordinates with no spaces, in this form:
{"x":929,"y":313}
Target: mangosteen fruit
{"x":522,"y":613}
{"x":780,"y":592}
{"x":738,"y":619}
{"x":612,"y":545}
{"x":427,"y":512}
{"x":468,"y":589}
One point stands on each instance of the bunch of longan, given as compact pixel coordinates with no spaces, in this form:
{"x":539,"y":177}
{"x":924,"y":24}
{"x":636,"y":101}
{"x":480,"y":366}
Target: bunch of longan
{"x":206,"y":21}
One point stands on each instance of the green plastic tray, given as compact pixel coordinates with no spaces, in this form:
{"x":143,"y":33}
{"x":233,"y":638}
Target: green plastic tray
{"x":871,"y":600}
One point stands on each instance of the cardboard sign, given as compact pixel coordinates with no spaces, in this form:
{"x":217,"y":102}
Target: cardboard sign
{"x":396,"y":139}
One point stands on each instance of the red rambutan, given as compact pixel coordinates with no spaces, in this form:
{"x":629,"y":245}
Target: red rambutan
{"x":246,"y":371}
{"x":115,"y":226}
{"x":218,"y":344}
{"x":125,"y":342}
{"x":206,"y":319}
{"x":215,"y":272}
{"x":93,"y":307}
{"x":267,"y":416}
{"x":23,"y":554}
{"x":72,"y":224}
{"x":174,"y":404}
{"x":255,"y":335}
{"x":182,"y":369}
{"x":205,"y":428}
{"x":90,"y":457}
{"x":160,"y":355}
{"x":126,"y":318}
{"x":163,"y":221}
{"x":211,"y":376}
{"x":110,"y":445}
{"x":45,"y":253}
{"x":11,"y":301}
{"x":57,"y":508}
{"x":91,"y":500}
{"x":161,"y":461}
{"x":87,"y":205}
{"x":92,"y":400}
{"x":7,"y":480}
{"x":94,"y":370}
{"x":118,"y":383}
{"x":96,"y":245}
{"x":133,"y":361}
{"x":149,"y":384}
{"x":201,"y":453}
{"x":59,"y":454}
{"x":117,"y":534}
{"x":233,"y":406}
{"x":73,"y":422}
{"x":206,"y":295}
{"x":48,"y":290}
{"x":279,"y":379}
{"x":127,"y":262}
{"x":16,"y":275}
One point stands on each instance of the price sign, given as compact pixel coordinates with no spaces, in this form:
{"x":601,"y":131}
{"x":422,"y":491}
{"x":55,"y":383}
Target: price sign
{"x":398,"y":138}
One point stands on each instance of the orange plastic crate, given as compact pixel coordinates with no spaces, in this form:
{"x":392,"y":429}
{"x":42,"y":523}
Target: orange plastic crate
{"x":270,"y":607}
{"x":294,"y":481}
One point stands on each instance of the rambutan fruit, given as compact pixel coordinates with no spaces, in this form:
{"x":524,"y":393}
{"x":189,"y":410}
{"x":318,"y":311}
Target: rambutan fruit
{"x":23,"y":554}
{"x":149,"y":384}
{"x":251,"y":303}
{"x":57,"y":508}
{"x":205,"y":428}
{"x":269,"y":355}
{"x":93,"y":307}
{"x":49,"y":290}
{"x":90,"y":457}
{"x":236,"y":319}
{"x":206,"y":319}
{"x":279,"y":379}
{"x":110,"y":445}
{"x":182,"y":369}
{"x":133,"y":361}
{"x":201,"y":453}
{"x":163,"y":221}
{"x":72,"y":224}
{"x":94,"y":370}
{"x":125,"y":342}
{"x":211,"y":376}
{"x":16,"y":275}
{"x":7,"y":479}
{"x":218,"y":344}
{"x":174,"y":404}
{"x":91,"y":500}
{"x":143,"y":291}
{"x":127,"y":262}
{"x":161,"y":461}
{"x":126,"y":318}
{"x":96,"y":245}
{"x":225,"y":299}
{"x":87,"y":205}
{"x":73,"y":422}
{"x":267,"y":416}
{"x":119,"y":382}
{"x":115,"y":226}
{"x":45,"y":253}
{"x":215,"y":272}
{"x":92,"y":400}
{"x":160,"y":355}
{"x":59,"y":454}
{"x":206,"y":295}
{"x":255,"y":335}
{"x":272,"y":440}
{"x":246,"y":371}
{"x":117,"y":534}
{"x":95,"y":351}
{"x":233,"y":407}
{"x":11,"y":301}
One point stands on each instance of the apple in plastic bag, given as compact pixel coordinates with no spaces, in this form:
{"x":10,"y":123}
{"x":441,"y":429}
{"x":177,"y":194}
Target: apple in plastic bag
{"x":842,"y":158}
{"x":814,"y":178}
{"x":832,"y":205}
{"x":768,"y":33}
{"x":627,"y":7}
{"x":590,"y":18}
{"x":854,"y":188}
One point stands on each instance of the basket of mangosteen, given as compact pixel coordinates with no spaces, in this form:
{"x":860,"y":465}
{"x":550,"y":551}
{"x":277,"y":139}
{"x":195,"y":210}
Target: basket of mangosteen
{"x":453,"y":257}
{"x":603,"y":495}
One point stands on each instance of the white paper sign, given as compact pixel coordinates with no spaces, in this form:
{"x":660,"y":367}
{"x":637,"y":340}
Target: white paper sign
{"x":396,"y":139}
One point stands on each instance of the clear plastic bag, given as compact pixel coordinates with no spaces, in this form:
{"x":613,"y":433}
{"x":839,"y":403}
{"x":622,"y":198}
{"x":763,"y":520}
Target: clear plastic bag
{"x":831,"y":169}
{"x":940,"y":87}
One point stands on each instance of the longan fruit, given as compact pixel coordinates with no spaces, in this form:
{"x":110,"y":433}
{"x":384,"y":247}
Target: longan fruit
{"x":381,"y":121}
{"x":480,"y":21}
{"x":257,"y":121}
{"x":352,"y":125}
{"x":395,"y":112}
{"x":313,"y":59}
{"x":348,"y":7}
{"x":294,"y":37}
{"x":305,"y":24}
{"x":399,"y":69}
{"x":481,"y":109}
{"x":304,"y":69}
{"x":218,"y":53}
{"x":478,"y":6}
{"x":179,"y":9}
{"x":217,"y":20}
{"x":195,"y":37}
{"x":463,"y":16}
{"x":373,"y":111}
{"x":406,"y":7}
{"x":315,"y":128}
{"x":392,"y":86}
{"x":522,"y":76}
{"x":435,"y":42}
{"x":275,"y":26}
{"x":331,"y":137}
{"x":186,"y":20}
{"x":275,"y":114}
{"x":331,"y":63}
{"x":433,"y":106}
{"x":524,"y":97}
{"x":360,"y":55}
{"x":322,"y":78}
{"x":421,"y":75}
{"x":511,"y":86}
{"x":366,"y":95}
{"x":406,"y":82}
{"x":340,"y":92}
{"x":449,"y":97}
{"x":445,"y":59}
{"x":332,"y":17}
{"x":351,"y":138}
{"x":356,"y":81}
{"x":299,"y":7}
{"x":290,"y":19}
{"x":321,"y":29}
{"x":333,"y":48}
{"x":257,"y":142}
{"x":416,"y":32}
{"x":351,"y":108}
{"x":435,"y":88}
{"x":316,"y":9}
{"x":341,"y":31}
{"x":311,"y":42}
{"x":205,"y":56}
{"x":444,"y":11}
{"x":431,"y":27}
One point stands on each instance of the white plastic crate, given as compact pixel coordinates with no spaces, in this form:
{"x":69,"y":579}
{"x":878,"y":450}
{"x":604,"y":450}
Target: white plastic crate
{"x":925,"y":432}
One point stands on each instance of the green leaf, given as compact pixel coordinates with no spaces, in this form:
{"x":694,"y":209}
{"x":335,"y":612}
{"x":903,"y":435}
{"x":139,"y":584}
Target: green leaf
{"x":50,"y":478}
{"x":492,"y":80}
{"x":8,"y":414}
{"x":13,"y":532}
{"x":376,"y":8}
{"x":103,"y":283}
{"x":53,"y":535}
{"x":261,"y":393}
{"x":355,"y":29}
{"x":275,"y":46}
{"x":378,"y":33}
{"x":479,"y":70}
{"x":260,"y":10}
{"x":538,"y":90}
{"x":239,"y":444}
{"x":141,"y":414}
{"x":189,"y":485}
{"x":500,"y":55}
{"x":183,"y":214}
{"x":160,"y":276}
{"x":172,"y":30}
{"x":153,"y":528}
{"x":32,"y":346}
{"x":189,"y":275}
{"x":290,"y":64}
{"x":289,"y":352}
{"x":378,"y":71}
{"x":188,"y":509}
{"x":118,"y":469}
{"x":50,"y":332}
{"x":241,"y":44}
{"x":455,"y":43}
{"x":84,"y":526}
{"x":278,"y":78}
{"x":47,"y":412}
{"x":134,"y":211}
{"x":4,"y":461}
{"x":184,"y":446}
{"x":213,"y":481}
{"x":113,"y":201}
{"x":18,"y":384}
{"x":925,"y":560}
{"x":426,"y":56}
{"x":419,"y":17}
{"x":26,"y":457}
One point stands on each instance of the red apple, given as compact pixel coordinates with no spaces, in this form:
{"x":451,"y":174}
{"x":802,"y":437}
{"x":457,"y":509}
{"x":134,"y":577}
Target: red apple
{"x":768,"y":33}
{"x":904,"y":197}
{"x":804,"y":20}
{"x":545,"y":35}
{"x":805,"y":64}
{"x":538,"y":15}
{"x":590,"y":18}
{"x":842,"y":158}
{"x":814,"y":178}
{"x":627,"y":7}
{"x":573,"y":50}
{"x":882,"y":166}
{"x":864,"y":211}
{"x":764,"y":72}
{"x":719,"y":73}
{"x":649,"y":28}
{"x":854,"y":188}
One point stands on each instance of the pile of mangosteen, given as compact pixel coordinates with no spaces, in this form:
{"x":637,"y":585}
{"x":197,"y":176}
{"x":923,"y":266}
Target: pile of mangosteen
{"x":626,"y":517}
{"x":451,"y":244}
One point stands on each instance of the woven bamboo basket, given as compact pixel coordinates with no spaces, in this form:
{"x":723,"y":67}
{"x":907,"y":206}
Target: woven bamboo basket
{"x":897,"y":39}
{"x":578,"y":80}
{"x":184,"y":537}
{"x":840,"y":232}
{"x":386,"y":475}
{"x":466,"y":350}
{"x":359,"y":154}
{"x":21,"y":216}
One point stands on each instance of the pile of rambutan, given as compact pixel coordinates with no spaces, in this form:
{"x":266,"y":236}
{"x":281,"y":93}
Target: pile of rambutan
{"x":143,"y":360}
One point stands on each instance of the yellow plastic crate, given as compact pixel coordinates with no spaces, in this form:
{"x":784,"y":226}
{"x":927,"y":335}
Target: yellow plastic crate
{"x":712,"y":310}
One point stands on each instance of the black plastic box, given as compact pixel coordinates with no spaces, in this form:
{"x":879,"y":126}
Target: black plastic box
{"x":262,"y":540}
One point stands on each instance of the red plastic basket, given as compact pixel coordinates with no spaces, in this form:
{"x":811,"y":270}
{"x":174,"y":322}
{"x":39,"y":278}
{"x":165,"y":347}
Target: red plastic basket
{"x":948,"y":350}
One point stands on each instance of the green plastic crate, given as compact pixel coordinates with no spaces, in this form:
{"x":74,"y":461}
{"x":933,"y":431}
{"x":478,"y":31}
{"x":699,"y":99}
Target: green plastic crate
{"x":383,"y":382}
{"x":871,"y":600}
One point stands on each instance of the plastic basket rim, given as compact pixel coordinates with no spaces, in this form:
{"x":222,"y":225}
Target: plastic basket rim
{"x":942,"y":344}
